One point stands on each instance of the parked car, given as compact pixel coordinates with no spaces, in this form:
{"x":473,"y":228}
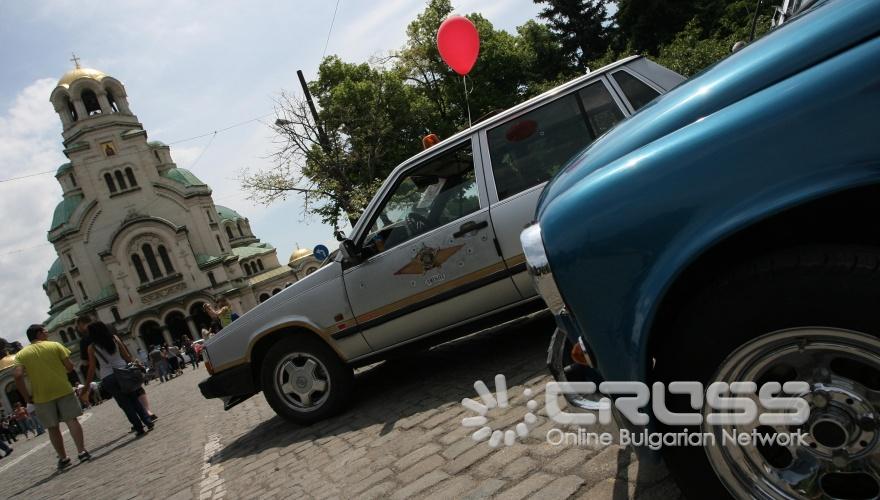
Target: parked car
{"x":436,"y":253}
{"x":728,"y":232}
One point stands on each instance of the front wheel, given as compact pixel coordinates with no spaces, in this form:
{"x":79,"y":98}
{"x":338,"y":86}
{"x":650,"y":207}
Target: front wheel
{"x":304,"y":381}
{"x":805,"y":315}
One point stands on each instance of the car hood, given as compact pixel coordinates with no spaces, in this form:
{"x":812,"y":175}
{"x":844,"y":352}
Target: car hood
{"x":803,"y":41}
{"x":284,"y":302}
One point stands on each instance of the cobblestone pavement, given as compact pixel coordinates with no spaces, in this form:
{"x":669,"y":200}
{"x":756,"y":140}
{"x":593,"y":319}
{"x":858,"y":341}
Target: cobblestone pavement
{"x":402,"y":438}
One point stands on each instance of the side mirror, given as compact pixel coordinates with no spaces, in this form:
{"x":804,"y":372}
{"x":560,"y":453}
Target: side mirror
{"x":339,"y":235}
{"x":350,"y":251}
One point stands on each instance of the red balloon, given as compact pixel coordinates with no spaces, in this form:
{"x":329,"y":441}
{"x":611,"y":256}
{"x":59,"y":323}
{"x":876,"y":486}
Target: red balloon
{"x":459,"y":43}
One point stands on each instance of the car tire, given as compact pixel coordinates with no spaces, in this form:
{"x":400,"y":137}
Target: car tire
{"x":304,"y":381}
{"x":797,"y":295}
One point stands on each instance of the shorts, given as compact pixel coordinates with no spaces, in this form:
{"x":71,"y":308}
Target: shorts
{"x":65,"y":408}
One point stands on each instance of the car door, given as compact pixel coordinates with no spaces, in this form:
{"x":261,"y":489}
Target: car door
{"x":430,"y":256}
{"x":525,"y":151}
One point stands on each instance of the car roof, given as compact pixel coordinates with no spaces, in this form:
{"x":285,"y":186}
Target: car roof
{"x":489,"y":123}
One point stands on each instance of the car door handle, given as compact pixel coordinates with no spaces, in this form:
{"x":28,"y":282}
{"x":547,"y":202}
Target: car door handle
{"x":470,"y":226}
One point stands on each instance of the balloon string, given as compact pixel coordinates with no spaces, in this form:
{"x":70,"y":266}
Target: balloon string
{"x":466,"y":102}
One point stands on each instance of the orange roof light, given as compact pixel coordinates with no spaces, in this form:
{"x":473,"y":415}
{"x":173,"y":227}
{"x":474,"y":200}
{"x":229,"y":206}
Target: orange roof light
{"x":430,"y":140}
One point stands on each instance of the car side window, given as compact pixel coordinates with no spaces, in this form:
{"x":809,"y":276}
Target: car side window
{"x":530,"y":149}
{"x":636,"y":91}
{"x":436,"y":193}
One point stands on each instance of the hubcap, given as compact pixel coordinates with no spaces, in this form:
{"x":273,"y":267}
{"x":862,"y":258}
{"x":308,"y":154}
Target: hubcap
{"x":303,"y":381}
{"x":840,"y":456}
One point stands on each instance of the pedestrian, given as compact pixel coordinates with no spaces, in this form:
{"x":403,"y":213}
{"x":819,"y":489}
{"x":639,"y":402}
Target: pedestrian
{"x":6,"y":431}
{"x":23,"y":421}
{"x":193,"y":355}
{"x":115,"y":355}
{"x":46,"y":364}
{"x":95,"y":395}
{"x":159,"y":364}
{"x":175,"y":360}
{"x":6,"y":449}
{"x":222,"y":313}
{"x":35,"y":421}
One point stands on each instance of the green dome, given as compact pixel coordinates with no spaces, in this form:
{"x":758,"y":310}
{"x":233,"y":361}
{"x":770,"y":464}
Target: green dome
{"x":64,"y":210}
{"x":55,"y":271}
{"x":157,"y":144}
{"x":183,"y":176}
{"x":227,"y":213}
{"x":64,"y":168}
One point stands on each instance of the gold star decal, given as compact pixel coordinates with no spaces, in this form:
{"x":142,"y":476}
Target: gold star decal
{"x":427,"y":259}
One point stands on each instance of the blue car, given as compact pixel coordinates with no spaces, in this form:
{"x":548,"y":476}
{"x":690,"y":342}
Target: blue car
{"x":730,"y":231}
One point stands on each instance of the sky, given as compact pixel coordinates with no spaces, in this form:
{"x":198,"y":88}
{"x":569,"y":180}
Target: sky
{"x":189,"y":68}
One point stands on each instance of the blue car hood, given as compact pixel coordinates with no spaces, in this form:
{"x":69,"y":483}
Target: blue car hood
{"x":803,"y":41}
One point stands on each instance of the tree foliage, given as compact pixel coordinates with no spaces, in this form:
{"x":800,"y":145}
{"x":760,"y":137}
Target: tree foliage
{"x":375,"y":114}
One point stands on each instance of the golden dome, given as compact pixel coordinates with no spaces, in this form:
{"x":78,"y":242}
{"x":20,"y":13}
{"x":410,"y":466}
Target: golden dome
{"x":77,"y":73}
{"x":298,"y":254}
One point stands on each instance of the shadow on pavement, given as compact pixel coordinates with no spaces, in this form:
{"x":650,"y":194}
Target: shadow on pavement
{"x":75,"y":463}
{"x":395,"y":389}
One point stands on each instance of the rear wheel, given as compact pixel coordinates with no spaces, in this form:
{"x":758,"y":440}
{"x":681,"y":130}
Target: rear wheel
{"x":804,"y":315}
{"x":304,"y":381}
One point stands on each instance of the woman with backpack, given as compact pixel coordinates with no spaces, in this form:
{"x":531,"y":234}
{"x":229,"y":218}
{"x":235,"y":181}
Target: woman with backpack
{"x":115,"y":358}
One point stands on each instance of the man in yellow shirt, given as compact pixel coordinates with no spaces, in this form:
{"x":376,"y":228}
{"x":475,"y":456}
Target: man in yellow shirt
{"x":46,"y":364}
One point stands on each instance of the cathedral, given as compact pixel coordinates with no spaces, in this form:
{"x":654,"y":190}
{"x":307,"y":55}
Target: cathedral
{"x":140,"y":243}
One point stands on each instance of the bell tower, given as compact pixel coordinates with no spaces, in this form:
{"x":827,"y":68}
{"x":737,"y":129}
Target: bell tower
{"x":85,"y":98}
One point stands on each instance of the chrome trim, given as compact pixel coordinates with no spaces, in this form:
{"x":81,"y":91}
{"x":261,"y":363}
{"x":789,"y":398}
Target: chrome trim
{"x":539,"y":268}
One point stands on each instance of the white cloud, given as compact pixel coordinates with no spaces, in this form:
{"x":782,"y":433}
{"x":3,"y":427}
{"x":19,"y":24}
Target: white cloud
{"x":30,"y":142}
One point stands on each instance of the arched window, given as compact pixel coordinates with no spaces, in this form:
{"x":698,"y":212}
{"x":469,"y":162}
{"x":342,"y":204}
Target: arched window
{"x":72,"y":334}
{"x":151,"y":261}
{"x":110,"y":184}
{"x":163,"y":254}
{"x":120,"y":180}
{"x":220,"y":244}
{"x":238,"y":225}
{"x":264,"y":297}
{"x":229,"y":232}
{"x":82,"y":290}
{"x":63,"y":336}
{"x":71,"y":109}
{"x":275,"y":291}
{"x":247,"y":268}
{"x":113,"y":107}
{"x":129,"y":173}
{"x":90,"y":100}
{"x":260,"y":264}
{"x":139,"y":267}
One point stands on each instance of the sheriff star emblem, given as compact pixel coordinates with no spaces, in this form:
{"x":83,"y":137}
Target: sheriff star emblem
{"x":428,"y":258}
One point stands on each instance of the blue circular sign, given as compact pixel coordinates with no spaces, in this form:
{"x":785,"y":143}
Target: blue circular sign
{"x":320,"y":252}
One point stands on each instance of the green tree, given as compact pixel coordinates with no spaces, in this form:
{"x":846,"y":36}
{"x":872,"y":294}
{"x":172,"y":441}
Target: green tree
{"x":373,"y":121}
{"x":582,"y":27}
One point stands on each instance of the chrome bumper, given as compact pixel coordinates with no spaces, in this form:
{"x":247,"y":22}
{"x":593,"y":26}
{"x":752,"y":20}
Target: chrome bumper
{"x":539,"y":268}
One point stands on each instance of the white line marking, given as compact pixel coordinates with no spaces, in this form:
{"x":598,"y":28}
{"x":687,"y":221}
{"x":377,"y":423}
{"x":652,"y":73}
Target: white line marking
{"x":212,"y":484}
{"x":40,"y":446}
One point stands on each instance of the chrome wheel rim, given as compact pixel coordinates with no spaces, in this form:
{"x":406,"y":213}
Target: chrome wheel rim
{"x":303,"y":381}
{"x":840,"y":456}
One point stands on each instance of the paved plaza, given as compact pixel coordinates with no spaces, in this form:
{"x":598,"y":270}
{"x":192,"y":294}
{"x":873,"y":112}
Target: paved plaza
{"x":402,"y":438}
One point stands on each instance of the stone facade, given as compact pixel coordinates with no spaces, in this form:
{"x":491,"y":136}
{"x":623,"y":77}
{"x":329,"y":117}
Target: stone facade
{"x":140,"y":243}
